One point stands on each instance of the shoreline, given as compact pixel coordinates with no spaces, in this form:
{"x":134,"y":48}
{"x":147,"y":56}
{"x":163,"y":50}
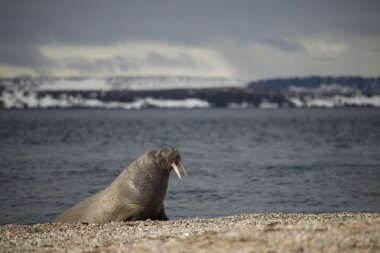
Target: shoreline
{"x":261,"y":232}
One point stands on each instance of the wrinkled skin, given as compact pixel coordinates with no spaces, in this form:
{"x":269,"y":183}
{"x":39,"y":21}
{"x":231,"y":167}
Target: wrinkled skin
{"x":136,"y":194}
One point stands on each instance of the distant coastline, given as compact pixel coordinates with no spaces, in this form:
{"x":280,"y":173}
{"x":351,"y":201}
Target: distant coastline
{"x":188,"y":92}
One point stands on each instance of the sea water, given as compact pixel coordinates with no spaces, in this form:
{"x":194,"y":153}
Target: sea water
{"x":239,"y":161}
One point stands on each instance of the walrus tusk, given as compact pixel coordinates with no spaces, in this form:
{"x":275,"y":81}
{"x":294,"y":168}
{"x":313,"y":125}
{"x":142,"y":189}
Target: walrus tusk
{"x":176,"y":170}
{"x":182,"y":168}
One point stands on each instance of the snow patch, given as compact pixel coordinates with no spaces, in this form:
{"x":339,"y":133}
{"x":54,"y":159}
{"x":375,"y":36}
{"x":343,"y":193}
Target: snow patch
{"x":268,"y":105}
{"x":171,"y":103}
{"x":242,"y":105}
{"x":336,"y":101}
{"x":324,"y":88}
{"x":296,"y":102}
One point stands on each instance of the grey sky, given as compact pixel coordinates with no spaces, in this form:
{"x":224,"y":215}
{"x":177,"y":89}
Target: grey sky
{"x":246,"y":39}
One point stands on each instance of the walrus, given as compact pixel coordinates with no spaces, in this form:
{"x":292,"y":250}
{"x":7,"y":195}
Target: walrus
{"x":136,"y":194}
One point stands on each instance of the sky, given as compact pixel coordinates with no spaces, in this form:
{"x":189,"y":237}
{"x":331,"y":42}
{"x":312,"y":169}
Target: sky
{"x":206,"y":38}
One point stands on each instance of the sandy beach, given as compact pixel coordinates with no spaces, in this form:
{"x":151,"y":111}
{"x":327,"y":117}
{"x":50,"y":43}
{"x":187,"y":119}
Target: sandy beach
{"x":272,"y":232}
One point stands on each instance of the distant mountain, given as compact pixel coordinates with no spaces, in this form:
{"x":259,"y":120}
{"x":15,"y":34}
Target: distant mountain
{"x":314,"y":84}
{"x":188,"y":92}
{"x":316,"y":91}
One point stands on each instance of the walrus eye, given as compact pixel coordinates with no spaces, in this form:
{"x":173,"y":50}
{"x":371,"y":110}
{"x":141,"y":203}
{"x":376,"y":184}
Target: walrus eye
{"x":157,"y":155}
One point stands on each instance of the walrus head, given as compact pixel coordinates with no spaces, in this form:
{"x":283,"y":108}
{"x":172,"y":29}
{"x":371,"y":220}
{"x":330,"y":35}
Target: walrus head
{"x":151,"y":170}
{"x":145,"y":181}
{"x":168,"y":158}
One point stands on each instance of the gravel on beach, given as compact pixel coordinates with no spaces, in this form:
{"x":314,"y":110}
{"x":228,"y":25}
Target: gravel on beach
{"x":269,"y":232}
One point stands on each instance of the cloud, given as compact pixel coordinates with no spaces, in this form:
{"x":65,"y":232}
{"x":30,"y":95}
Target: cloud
{"x":323,"y":46}
{"x":137,"y":58}
{"x":321,"y":56}
{"x":12,"y":71}
{"x":20,"y":55}
{"x":281,"y":43}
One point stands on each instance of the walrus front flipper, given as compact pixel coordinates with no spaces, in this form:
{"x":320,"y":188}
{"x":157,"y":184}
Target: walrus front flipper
{"x":136,"y":212}
{"x":160,"y":214}
{"x":162,"y":217}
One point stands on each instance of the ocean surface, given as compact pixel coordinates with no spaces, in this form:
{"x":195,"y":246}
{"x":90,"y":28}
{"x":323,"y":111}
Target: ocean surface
{"x":239,"y":161}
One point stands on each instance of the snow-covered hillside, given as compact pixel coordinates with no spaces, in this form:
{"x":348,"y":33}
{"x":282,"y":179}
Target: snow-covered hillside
{"x":117,"y":83}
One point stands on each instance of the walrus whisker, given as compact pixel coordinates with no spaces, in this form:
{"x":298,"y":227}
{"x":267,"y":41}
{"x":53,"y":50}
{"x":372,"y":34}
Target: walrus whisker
{"x":176,"y":170}
{"x":182,"y":168}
